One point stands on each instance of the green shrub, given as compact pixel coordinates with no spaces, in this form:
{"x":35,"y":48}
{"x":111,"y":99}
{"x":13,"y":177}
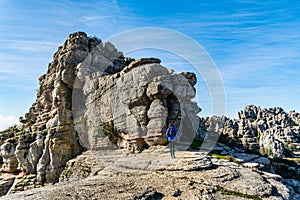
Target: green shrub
{"x":224,"y":157}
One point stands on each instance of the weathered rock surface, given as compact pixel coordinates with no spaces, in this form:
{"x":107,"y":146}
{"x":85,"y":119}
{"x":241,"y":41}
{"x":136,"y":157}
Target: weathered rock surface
{"x":267,"y":131}
{"x":117,"y":175}
{"x":10,"y":162}
{"x":93,"y":97}
{"x":5,"y":185}
{"x":134,"y":106}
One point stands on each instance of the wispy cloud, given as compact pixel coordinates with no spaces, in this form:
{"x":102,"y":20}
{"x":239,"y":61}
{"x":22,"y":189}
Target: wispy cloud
{"x":93,"y":18}
{"x":28,"y":45}
{"x":7,"y":121}
{"x":97,"y":20}
{"x":255,"y":44}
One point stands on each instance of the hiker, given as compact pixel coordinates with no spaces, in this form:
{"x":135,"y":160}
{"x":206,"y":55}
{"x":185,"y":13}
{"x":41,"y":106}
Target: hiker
{"x":172,"y":133}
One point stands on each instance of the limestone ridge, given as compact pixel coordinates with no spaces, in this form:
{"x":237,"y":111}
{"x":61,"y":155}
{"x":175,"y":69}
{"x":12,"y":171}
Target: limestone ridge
{"x":271,"y":132}
{"x":92,"y":93}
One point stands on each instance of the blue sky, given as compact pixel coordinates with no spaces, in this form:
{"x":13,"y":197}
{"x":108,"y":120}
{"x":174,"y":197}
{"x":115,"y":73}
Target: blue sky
{"x":254,"y":44}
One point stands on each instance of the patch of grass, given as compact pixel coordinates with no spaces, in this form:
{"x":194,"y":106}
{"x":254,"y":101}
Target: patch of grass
{"x":12,"y":129}
{"x":23,"y":181}
{"x":68,"y":172}
{"x":237,"y":194}
{"x":224,"y":157}
{"x":196,"y":145}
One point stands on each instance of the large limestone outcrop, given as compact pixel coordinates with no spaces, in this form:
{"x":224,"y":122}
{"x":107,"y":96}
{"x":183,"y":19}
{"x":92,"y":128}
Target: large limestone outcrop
{"x":266,"y":131}
{"x":134,"y":106}
{"x":92,"y":96}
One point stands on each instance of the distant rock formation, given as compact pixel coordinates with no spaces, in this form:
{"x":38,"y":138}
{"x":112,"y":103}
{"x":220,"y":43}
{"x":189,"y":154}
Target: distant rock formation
{"x":270,"y":131}
{"x":92,"y":94}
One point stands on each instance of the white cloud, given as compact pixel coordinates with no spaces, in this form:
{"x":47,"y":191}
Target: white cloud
{"x":7,"y":121}
{"x":93,"y":18}
{"x":28,"y":45}
{"x":96,"y":20}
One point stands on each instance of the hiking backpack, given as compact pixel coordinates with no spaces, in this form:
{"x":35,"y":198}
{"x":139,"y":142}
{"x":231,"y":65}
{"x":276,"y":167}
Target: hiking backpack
{"x":171,"y":132}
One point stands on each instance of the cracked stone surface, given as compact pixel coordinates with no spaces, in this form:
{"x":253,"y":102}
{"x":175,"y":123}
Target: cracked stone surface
{"x":120,"y":175}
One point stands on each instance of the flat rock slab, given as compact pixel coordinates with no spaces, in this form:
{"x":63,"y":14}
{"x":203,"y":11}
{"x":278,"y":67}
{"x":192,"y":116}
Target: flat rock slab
{"x":122,"y":175}
{"x":160,"y":160}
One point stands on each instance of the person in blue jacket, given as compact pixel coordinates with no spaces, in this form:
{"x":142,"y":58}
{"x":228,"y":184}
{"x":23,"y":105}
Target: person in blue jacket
{"x":172,"y":134}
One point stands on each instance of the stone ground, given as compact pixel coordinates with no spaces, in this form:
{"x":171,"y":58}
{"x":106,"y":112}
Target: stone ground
{"x":152,"y":174}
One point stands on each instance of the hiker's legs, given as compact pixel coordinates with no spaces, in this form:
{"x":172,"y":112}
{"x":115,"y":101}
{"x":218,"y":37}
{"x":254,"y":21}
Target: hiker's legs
{"x":172,"y":148}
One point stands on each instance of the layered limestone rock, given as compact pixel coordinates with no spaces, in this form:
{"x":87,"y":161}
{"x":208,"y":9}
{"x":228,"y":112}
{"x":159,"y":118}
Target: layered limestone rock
{"x":265,"y":131}
{"x":134,"y":106}
{"x":29,"y":150}
{"x":7,"y":150}
{"x":51,"y":116}
{"x":92,"y":96}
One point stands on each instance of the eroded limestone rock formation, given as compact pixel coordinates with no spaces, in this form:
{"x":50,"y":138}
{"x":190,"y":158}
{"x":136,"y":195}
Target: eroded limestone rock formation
{"x":132,"y":107}
{"x":10,"y":162}
{"x":266,"y":131}
{"x":90,"y":95}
